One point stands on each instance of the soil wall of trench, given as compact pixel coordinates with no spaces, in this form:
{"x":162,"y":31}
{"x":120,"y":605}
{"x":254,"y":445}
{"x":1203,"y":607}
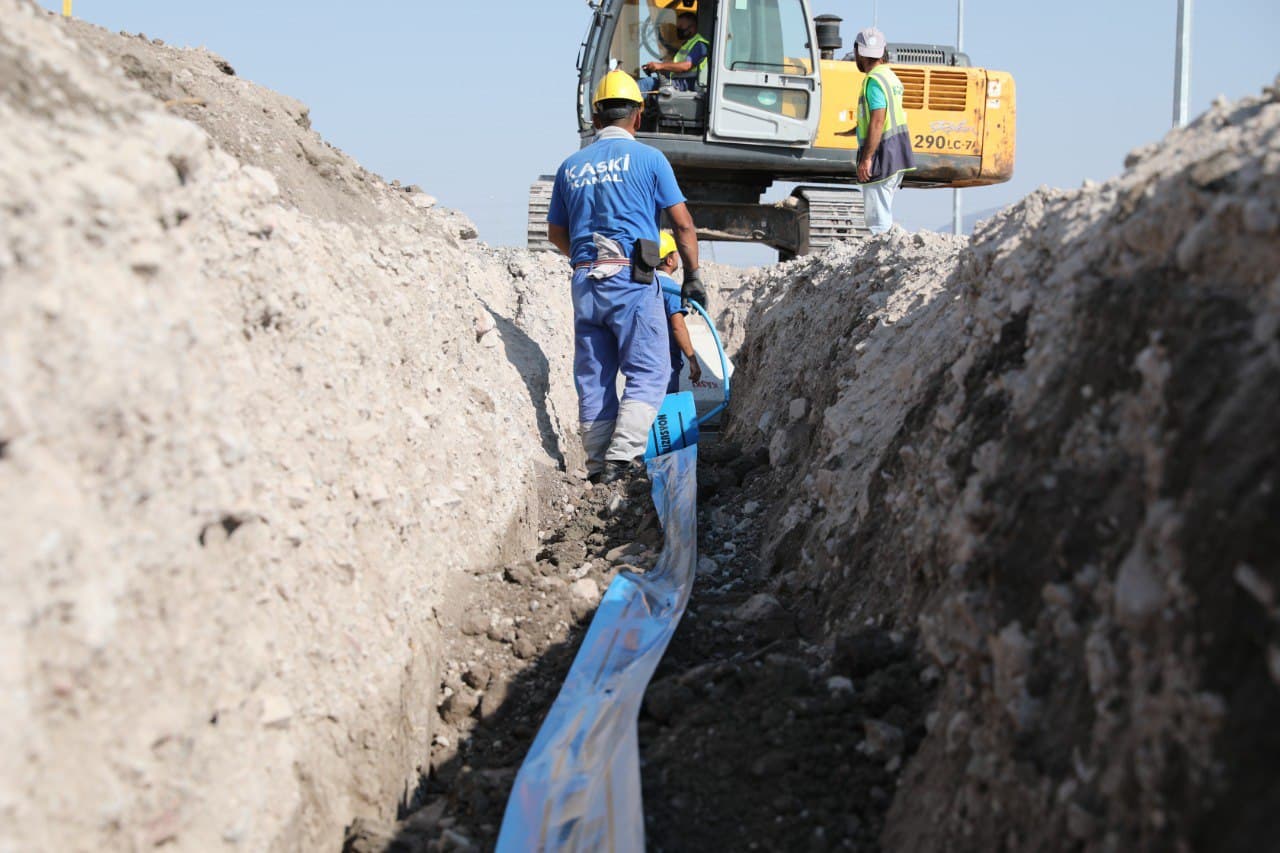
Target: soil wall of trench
{"x":1050,"y":460}
{"x":257,"y":407}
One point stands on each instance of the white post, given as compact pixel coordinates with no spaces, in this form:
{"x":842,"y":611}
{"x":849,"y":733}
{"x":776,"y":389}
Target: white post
{"x":957,"y":215}
{"x":875,"y":14}
{"x":1182,"y":65}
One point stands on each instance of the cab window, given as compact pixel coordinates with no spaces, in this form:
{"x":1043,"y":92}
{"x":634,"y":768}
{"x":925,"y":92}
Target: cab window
{"x":768,"y":36}
{"x":646,"y":32}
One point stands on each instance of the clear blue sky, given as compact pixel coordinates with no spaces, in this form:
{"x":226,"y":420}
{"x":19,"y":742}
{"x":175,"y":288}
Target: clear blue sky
{"x":474,"y":100}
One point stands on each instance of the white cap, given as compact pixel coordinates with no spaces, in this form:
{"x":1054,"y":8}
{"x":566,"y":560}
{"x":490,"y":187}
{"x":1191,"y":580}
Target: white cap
{"x":870,"y":43}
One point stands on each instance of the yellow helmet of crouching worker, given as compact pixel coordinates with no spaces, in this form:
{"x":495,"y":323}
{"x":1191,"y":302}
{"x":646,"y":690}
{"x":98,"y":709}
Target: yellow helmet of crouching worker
{"x":618,"y":86}
{"x":666,"y":244}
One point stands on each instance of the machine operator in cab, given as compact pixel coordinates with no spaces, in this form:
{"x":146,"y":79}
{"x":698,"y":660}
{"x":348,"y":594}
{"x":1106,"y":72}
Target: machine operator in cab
{"x":605,"y":208}
{"x":689,"y":63}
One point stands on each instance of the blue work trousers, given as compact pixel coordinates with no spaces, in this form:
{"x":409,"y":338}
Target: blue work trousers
{"x":618,"y":325}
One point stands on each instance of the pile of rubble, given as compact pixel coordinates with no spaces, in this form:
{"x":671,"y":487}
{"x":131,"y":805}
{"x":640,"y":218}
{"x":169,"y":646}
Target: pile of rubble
{"x":1054,"y":457}
{"x":258,"y":410}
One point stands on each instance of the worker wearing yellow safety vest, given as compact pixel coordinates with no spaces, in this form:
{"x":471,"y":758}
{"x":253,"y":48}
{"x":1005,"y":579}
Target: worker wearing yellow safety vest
{"x":884,"y":143}
{"x":688,"y":67}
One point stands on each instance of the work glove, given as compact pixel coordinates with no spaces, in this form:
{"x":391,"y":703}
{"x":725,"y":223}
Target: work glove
{"x":693,"y":289}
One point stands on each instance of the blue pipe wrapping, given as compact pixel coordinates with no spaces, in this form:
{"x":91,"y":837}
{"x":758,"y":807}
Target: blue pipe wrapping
{"x":579,"y":787}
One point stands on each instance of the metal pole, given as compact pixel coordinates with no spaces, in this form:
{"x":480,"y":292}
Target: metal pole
{"x":1182,"y":65}
{"x":957,"y":215}
{"x":875,"y":14}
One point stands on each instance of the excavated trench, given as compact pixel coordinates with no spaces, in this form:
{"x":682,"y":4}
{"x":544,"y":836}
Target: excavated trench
{"x":988,"y":553}
{"x":745,"y":723}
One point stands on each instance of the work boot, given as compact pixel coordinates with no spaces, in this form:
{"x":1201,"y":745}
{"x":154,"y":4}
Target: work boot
{"x":615,"y":471}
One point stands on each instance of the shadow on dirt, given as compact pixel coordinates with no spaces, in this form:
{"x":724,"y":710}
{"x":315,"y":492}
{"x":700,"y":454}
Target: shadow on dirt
{"x":528,"y":359}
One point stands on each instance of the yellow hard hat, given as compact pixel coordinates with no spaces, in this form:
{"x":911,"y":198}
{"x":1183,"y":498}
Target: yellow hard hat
{"x":666,"y":244}
{"x":618,"y":86}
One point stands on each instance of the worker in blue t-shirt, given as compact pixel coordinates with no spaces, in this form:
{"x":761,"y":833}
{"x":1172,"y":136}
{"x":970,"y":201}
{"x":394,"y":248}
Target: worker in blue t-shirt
{"x":606,"y":199}
{"x":681,"y":343}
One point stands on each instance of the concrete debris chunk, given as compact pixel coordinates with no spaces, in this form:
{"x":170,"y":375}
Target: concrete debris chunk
{"x":276,"y":711}
{"x":585,"y":589}
{"x":840,"y":684}
{"x":797,"y":409}
{"x":1253,"y":583}
{"x":758,"y":608}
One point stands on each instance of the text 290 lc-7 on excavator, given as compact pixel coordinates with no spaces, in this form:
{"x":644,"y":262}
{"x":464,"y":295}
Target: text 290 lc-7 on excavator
{"x":773,"y":104}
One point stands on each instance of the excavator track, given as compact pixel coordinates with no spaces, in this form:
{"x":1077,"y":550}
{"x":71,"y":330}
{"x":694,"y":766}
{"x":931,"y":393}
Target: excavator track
{"x":539,"y":204}
{"x":835,"y":215}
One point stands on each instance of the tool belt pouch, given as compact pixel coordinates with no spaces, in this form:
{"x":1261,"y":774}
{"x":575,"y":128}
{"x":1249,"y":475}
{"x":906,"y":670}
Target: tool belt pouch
{"x":644,"y":260}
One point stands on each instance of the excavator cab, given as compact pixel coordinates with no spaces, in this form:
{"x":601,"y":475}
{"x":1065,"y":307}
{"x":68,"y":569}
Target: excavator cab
{"x":646,"y":31}
{"x":766,"y":83}
{"x":775,"y":104}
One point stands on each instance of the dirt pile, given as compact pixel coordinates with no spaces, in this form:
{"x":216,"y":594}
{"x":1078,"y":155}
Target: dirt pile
{"x":255,"y":125}
{"x":254,"y":421}
{"x":1053,"y":459}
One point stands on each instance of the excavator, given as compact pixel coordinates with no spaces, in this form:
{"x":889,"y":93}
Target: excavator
{"x":774,"y":104}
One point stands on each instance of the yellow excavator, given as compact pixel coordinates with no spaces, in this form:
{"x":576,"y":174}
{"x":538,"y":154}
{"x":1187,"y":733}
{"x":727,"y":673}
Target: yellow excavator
{"x":774,"y":104}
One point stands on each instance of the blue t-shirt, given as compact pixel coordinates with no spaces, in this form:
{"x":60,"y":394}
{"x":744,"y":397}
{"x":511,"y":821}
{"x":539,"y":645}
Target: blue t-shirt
{"x":674,"y":306}
{"x":697,"y":53}
{"x":876,"y":99}
{"x":615,"y":187}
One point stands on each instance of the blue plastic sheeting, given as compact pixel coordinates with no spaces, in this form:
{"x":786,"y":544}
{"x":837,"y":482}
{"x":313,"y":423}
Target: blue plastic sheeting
{"x":675,"y":426}
{"x":579,"y":786}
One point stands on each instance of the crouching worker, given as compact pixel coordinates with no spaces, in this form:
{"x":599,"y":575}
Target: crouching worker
{"x":681,"y":344}
{"x":605,"y":206}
